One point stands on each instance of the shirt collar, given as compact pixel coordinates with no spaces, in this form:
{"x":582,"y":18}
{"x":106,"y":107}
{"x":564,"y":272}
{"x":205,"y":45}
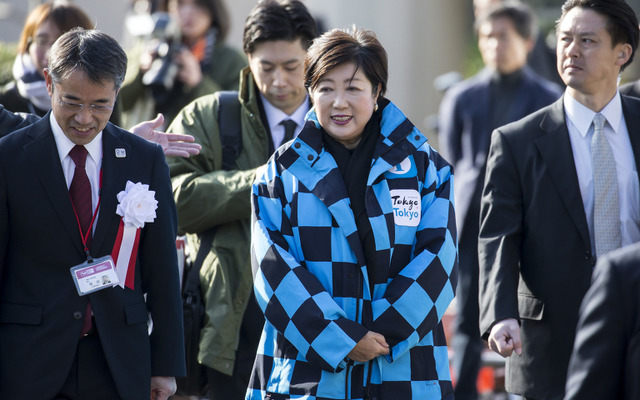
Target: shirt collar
{"x":276,"y":115}
{"x":582,"y":117}
{"x":94,"y":148}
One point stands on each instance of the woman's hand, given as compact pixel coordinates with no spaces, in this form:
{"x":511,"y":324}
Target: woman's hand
{"x":189,"y":72}
{"x":369,"y":347}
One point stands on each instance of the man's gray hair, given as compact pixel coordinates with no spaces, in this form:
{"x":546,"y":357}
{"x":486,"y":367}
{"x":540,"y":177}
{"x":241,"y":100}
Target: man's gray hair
{"x":94,"y":52}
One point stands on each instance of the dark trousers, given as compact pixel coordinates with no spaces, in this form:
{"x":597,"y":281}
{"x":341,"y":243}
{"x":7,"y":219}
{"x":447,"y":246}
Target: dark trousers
{"x":90,"y":377}
{"x":224,"y":387}
{"x":467,"y":342}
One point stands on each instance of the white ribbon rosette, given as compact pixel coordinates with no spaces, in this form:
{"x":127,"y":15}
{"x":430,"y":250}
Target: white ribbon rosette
{"x":137,"y":205}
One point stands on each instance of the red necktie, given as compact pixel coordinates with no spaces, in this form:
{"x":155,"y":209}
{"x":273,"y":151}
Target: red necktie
{"x":80,"y":192}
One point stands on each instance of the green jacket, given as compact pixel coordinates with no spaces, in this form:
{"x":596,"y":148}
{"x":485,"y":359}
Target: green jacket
{"x":137,"y":102}
{"x":207,"y":196}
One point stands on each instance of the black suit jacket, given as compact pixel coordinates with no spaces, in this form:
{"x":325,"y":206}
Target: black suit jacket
{"x":631,"y":89}
{"x":11,"y":122}
{"x":606,"y":357}
{"x":534,"y":245}
{"x":40,"y":311}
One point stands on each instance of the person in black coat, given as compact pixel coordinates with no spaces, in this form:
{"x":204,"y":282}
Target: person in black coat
{"x":89,"y":343}
{"x":606,"y":356}
{"x":538,"y":236}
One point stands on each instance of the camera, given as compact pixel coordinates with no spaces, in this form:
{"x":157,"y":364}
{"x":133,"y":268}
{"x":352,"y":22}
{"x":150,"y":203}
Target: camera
{"x":161,"y":75}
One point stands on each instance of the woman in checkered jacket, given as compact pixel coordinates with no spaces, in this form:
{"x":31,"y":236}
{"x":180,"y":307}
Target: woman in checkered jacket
{"x":353,"y":242}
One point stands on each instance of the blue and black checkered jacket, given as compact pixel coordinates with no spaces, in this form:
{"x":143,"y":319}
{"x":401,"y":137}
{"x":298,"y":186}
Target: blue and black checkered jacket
{"x":312,"y":282}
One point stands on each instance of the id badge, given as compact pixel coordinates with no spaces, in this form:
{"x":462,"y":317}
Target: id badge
{"x":91,"y":276}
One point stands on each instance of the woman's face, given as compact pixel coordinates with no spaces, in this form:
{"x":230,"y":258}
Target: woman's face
{"x":344,"y":103}
{"x":194,"y":19}
{"x":41,"y":42}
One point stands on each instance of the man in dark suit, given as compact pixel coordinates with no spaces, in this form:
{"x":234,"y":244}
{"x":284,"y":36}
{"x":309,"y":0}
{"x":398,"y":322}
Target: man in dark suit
{"x":606,"y":358}
{"x":505,"y":91}
{"x":62,"y":335}
{"x":543,"y":217}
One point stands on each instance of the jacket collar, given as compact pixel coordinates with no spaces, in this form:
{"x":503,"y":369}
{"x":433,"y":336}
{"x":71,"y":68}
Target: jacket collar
{"x":117,"y":159}
{"x":249,"y":93}
{"x":554,"y":146}
{"x":398,"y":139}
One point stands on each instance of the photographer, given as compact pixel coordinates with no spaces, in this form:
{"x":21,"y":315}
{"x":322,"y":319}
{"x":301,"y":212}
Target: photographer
{"x":184,"y":58}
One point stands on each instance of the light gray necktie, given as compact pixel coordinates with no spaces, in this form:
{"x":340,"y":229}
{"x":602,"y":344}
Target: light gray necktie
{"x":606,"y":210}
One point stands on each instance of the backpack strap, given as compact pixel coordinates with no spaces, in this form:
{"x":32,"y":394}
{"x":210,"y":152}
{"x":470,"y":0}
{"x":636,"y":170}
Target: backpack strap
{"x":230,"y":128}
{"x":231,"y":141}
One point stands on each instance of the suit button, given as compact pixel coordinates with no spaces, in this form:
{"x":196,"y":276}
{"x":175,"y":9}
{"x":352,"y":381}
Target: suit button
{"x":310,"y":157}
{"x":77,"y":315}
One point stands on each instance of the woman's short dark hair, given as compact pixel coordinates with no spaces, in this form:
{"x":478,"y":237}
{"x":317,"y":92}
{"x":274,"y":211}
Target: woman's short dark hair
{"x":217,"y":11}
{"x":622,"y":23}
{"x":65,"y":16}
{"x":273,"y":20}
{"x":337,"y":47}
{"x":92,"y":51}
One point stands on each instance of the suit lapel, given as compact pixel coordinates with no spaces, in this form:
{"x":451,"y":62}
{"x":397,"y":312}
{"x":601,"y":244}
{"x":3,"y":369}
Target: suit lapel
{"x":113,"y":182}
{"x":46,"y":166}
{"x":554,"y":146}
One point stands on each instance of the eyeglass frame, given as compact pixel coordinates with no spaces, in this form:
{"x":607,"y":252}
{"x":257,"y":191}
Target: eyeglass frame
{"x":94,"y":109}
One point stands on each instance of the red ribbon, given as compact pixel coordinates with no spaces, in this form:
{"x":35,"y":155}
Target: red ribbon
{"x":131,"y":268}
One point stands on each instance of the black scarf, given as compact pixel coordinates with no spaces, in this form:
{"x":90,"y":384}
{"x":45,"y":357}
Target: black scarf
{"x":354,"y":166}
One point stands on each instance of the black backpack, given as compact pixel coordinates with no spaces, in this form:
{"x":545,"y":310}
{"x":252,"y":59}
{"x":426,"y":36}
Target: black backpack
{"x":193,"y":308}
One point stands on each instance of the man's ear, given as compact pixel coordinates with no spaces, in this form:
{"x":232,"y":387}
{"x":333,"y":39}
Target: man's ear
{"x":624,"y":53}
{"x":48,"y":81}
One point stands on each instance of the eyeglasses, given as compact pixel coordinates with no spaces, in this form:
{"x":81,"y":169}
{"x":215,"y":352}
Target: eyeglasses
{"x":78,"y":107}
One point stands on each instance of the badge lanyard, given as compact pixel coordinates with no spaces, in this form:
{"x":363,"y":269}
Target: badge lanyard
{"x":84,"y":236}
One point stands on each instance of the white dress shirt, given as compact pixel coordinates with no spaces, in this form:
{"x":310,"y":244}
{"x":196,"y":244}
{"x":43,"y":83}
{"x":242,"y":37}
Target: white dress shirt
{"x":93,"y":163}
{"x":275,"y":116}
{"x":579,"y":123}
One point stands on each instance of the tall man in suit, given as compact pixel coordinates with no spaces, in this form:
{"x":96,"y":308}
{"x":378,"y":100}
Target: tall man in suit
{"x":543,"y":217}
{"x":65,"y":332}
{"x":606,"y":357}
{"x":504,"y":91}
